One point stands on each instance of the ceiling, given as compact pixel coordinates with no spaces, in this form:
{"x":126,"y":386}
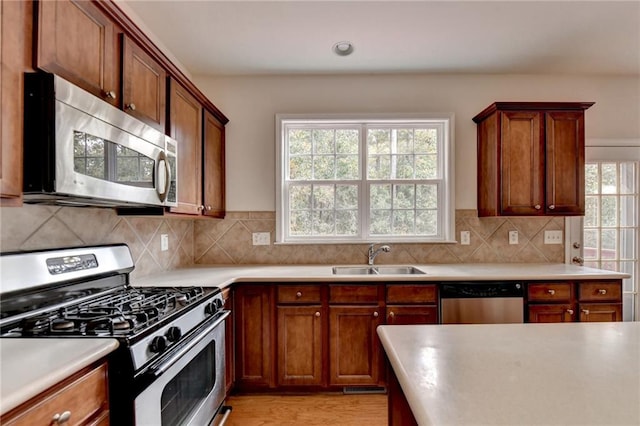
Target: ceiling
{"x":296,"y":37}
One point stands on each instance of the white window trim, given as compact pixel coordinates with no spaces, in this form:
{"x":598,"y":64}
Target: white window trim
{"x":446,"y":215}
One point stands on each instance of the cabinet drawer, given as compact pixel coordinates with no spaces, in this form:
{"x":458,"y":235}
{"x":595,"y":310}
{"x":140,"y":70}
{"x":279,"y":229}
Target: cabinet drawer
{"x":546,"y":292}
{"x":599,"y":291}
{"x":298,"y":294}
{"x":84,"y":397}
{"x":360,"y":293}
{"x":411,"y":293}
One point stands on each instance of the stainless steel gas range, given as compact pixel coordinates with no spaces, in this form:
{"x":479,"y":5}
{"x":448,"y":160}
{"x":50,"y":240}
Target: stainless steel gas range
{"x":169,"y":367}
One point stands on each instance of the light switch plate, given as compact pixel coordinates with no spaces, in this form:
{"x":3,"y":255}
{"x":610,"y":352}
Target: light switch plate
{"x":465,"y":238}
{"x":261,"y":238}
{"x":553,"y":237}
{"x":513,"y":237}
{"x":164,"y":242}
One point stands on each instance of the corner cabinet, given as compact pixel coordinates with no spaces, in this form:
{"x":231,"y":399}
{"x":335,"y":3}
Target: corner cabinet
{"x":531,"y":158}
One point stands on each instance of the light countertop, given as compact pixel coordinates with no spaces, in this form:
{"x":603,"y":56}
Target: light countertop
{"x":518,"y":374}
{"x":30,"y":366}
{"x":223,"y":276}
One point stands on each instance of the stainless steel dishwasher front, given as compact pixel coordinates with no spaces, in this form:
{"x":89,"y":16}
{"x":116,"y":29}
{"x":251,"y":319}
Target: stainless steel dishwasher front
{"x":482,"y":303}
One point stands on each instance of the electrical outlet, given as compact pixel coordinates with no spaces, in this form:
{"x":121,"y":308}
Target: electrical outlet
{"x":513,"y":237}
{"x":164,"y":242}
{"x":261,"y":238}
{"x":553,"y":237}
{"x":465,"y":238}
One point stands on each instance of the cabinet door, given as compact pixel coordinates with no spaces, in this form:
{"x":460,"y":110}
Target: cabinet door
{"x":253,"y":323}
{"x":213,"y":167}
{"x":565,"y":163}
{"x":552,"y":313}
{"x":300,"y":352}
{"x":522,"y":164}
{"x":353,"y":345}
{"x":185,"y":126}
{"x":600,"y":312}
{"x":79,"y":43}
{"x":144,"y":85}
{"x":15,"y":54}
{"x":404,"y":315}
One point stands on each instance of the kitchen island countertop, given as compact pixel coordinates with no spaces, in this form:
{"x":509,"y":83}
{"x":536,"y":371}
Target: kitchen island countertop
{"x":223,"y":276}
{"x":31,"y":366}
{"x":518,"y":374}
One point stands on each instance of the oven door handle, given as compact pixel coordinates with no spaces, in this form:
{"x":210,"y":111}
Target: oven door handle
{"x":201,"y":335}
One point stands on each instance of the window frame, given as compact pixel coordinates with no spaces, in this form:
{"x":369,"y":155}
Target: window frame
{"x":446,"y":197}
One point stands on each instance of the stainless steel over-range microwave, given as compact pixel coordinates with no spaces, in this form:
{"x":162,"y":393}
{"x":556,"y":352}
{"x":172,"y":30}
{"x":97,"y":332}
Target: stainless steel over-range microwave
{"x":80,"y":150}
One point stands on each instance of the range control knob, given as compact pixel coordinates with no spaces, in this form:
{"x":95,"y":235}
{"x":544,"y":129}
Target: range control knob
{"x":158,"y":344}
{"x":210,"y":308}
{"x":173,"y":334}
{"x":218,"y":303}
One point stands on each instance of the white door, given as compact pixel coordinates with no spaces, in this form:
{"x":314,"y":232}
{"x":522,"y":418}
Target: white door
{"x":608,"y":237}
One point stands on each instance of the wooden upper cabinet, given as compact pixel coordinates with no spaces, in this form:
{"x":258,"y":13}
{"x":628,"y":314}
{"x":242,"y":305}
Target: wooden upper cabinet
{"x":213,"y":171}
{"x":79,"y":43}
{"x":16,"y":19}
{"x":144,"y":85}
{"x":531,"y":158}
{"x":185,"y":126}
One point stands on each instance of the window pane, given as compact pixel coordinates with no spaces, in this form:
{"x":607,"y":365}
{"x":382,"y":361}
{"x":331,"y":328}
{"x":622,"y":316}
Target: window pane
{"x":299,"y":141}
{"x":347,"y":222}
{"x":403,"y":222}
{"x":324,"y":167}
{"x":404,"y":141}
{"x":323,"y":197}
{"x":300,"y":223}
{"x":380,"y":196}
{"x":426,"y":196}
{"x":609,"y":242}
{"x":300,"y":197}
{"x":379,"y":167}
{"x":628,"y":178}
{"x":426,"y":222}
{"x":404,"y":196}
{"x":323,"y":141}
{"x":591,"y":211}
{"x":628,"y":238}
{"x":628,"y":212}
{"x":609,"y":178}
{"x":347,"y":167}
{"x":346,"y":197}
{"x":609,"y":213}
{"x":426,"y":167}
{"x":591,"y":242}
{"x":300,"y":168}
{"x":426,"y":140}
{"x":380,"y":222}
{"x":378,"y":141}
{"x":347,"y":141}
{"x":591,"y":179}
{"x":323,"y":222}
{"x":404,"y":166}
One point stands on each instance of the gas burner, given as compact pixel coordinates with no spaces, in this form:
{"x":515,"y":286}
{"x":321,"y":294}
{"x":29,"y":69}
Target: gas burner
{"x":36,"y":325}
{"x":62,"y":324}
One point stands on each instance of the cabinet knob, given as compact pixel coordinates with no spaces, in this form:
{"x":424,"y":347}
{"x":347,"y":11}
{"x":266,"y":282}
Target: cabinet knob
{"x":602,"y":291}
{"x":200,"y":208}
{"x":551,"y":207}
{"x":585,"y":311}
{"x":375,"y":314}
{"x":209,"y":208}
{"x":551,"y":292}
{"x":109,"y":94}
{"x":570,"y":311}
{"x":299,"y":294}
{"x":392,"y":314}
{"x":130,"y":106}
{"x":317,"y":314}
{"x":61,"y":418}
{"x":537,"y":206}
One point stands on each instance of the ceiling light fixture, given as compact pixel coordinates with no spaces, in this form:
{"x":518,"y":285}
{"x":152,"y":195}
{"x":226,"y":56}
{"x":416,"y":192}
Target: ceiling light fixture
{"x":343,"y":48}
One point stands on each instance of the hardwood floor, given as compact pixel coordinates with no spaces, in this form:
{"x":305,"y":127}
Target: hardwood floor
{"x":308,"y":410}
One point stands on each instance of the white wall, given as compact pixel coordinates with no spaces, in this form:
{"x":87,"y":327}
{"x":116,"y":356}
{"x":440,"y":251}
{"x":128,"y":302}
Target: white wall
{"x":252,"y":102}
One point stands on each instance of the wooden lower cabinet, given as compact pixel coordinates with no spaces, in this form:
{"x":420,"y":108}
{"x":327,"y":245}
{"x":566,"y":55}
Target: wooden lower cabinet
{"x":227,"y":297}
{"x":82,"y":398}
{"x":411,"y":304}
{"x":254,"y":343}
{"x":300,"y":345}
{"x":406,"y":315}
{"x":354,"y":347}
{"x":583,"y":301}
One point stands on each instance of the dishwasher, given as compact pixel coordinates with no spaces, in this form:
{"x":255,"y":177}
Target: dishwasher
{"x":482,"y":303}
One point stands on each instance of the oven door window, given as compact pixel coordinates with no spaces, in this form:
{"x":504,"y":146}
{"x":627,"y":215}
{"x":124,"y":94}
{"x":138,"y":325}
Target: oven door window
{"x":186,"y":391}
{"x":102,"y":159}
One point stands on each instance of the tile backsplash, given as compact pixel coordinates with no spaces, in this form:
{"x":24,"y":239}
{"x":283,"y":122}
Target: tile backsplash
{"x":229,"y":241}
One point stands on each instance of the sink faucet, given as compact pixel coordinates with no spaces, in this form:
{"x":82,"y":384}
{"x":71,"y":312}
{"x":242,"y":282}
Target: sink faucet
{"x":373,"y":253}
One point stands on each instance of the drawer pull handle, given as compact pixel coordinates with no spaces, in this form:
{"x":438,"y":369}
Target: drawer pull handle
{"x":551,"y":292}
{"x":299,"y":294}
{"x":317,"y":314}
{"x":375,"y":315}
{"x":585,"y":311}
{"x":570,"y":311}
{"x":61,"y":418}
{"x":602,"y":291}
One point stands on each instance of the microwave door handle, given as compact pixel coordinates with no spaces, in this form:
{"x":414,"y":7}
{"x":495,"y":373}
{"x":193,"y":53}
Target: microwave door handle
{"x":162,"y":158}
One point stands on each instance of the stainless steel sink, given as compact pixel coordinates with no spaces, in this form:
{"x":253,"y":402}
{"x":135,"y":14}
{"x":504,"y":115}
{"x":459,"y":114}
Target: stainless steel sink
{"x":376,"y":270}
